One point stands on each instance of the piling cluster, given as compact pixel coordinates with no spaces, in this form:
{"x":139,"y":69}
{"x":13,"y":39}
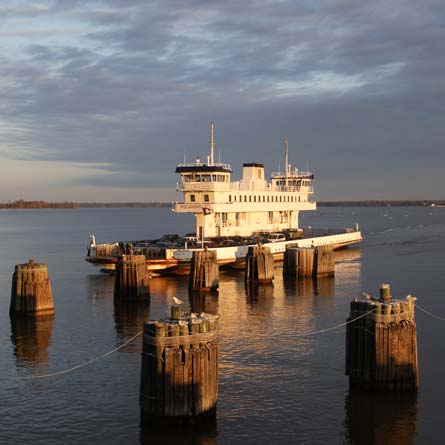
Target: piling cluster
{"x":179,"y":377}
{"x":259,"y":265}
{"x":381,"y":345}
{"x":31,"y":292}
{"x":204,"y":271}
{"x":306,"y":262}
{"x":130,"y":278}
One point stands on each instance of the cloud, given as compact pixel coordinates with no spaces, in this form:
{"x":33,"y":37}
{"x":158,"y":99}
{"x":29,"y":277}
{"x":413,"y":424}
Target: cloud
{"x":134,"y":84}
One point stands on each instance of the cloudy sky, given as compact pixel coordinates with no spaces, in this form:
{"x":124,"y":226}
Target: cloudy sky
{"x":101,"y":99}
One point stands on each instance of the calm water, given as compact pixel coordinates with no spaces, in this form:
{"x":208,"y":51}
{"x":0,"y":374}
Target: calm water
{"x":276,"y":386}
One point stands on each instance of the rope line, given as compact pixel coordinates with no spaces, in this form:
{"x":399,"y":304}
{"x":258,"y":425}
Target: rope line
{"x":89,"y":362}
{"x":429,"y":313}
{"x":304,"y":334}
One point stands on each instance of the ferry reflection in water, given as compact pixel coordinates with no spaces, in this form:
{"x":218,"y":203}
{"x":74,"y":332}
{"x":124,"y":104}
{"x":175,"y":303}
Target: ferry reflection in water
{"x":377,"y":418}
{"x":31,"y":338}
{"x":204,"y":302}
{"x":259,"y":297}
{"x":129,"y":318}
{"x":100,"y":287}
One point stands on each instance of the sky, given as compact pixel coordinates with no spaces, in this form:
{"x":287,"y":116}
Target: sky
{"x":101,"y":99}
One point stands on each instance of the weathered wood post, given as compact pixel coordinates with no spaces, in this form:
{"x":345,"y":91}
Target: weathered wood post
{"x":130,"y":278}
{"x":381,"y":346}
{"x":299,"y":262}
{"x":31,"y":292}
{"x":204,"y":271}
{"x":324,"y":261}
{"x":179,"y":375}
{"x":259,"y":265}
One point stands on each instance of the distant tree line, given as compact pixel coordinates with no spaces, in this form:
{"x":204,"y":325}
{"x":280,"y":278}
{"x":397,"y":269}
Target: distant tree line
{"x":124,"y":204}
{"x":22,"y":204}
{"x":376,"y":203}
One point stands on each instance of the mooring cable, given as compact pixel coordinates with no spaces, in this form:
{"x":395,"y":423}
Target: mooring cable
{"x":88,"y":362}
{"x":429,"y":313}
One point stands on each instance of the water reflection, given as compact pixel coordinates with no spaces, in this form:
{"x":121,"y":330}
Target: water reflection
{"x":100,"y":287}
{"x":129,"y":318}
{"x":166,"y":287}
{"x":260,"y":297}
{"x":348,"y":254}
{"x":205,"y":434}
{"x":309,"y":287}
{"x":348,"y":266}
{"x":31,"y":338}
{"x":376,"y":418}
{"x":204,"y":302}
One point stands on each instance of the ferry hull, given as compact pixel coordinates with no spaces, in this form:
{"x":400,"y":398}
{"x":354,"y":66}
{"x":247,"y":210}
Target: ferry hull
{"x":233,"y":257}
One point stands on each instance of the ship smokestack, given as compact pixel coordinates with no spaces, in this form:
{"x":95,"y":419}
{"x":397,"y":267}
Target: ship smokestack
{"x":212,"y":142}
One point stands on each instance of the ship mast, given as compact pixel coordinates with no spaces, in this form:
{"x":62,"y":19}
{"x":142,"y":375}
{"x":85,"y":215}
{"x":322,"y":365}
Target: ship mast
{"x":286,"y":159}
{"x":212,"y":142}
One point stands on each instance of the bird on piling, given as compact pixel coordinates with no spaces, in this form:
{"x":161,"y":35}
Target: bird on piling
{"x":177,"y":301}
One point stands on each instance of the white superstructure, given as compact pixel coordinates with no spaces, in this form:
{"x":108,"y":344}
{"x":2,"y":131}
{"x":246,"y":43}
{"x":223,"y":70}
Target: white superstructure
{"x":223,"y":207}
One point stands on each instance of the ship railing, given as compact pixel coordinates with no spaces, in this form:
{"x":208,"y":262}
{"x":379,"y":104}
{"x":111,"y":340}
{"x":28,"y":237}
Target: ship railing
{"x":215,"y":164}
{"x":109,"y":250}
{"x":292,"y":174}
{"x":241,"y":186}
{"x":150,"y":252}
{"x":299,"y":189}
{"x":310,"y":232}
{"x":202,"y":186}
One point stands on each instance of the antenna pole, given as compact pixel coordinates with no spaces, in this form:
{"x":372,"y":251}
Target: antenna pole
{"x":212,"y":142}
{"x":286,"y":156}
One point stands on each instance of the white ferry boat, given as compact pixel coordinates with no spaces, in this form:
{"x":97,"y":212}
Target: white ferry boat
{"x":231,"y":216}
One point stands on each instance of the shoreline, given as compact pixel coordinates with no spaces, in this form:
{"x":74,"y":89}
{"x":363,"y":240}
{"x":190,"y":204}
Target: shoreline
{"x":33,"y":205}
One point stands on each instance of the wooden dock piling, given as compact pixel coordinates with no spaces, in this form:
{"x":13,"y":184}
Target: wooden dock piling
{"x":31,"y":292}
{"x":381,"y":346}
{"x":179,"y":376}
{"x":204,"y":271}
{"x":304,"y":262}
{"x":259,"y":265}
{"x":324,"y":261}
{"x":299,"y":262}
{"x":130,"y":280}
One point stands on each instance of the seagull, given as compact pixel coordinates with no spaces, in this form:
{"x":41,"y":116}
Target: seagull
{"x":177,"y":301}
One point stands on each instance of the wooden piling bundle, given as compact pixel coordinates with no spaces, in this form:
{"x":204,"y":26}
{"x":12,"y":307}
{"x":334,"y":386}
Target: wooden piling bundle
{"x":31,"y":292}
{"x":204,"y":271}
{"x":299,"y":262}
{"x":303,"y":262}
{"x":179,"y":374}
{"x":130,"y":277}
{"x":259,"y":265}
{"x":324,"y":261}
{"x":381,"y":347}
